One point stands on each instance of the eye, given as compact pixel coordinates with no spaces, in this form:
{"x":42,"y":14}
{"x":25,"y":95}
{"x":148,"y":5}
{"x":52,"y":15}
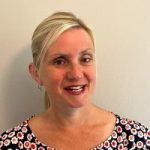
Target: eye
{"x":59,"y":61}
{"x":86,"y":59}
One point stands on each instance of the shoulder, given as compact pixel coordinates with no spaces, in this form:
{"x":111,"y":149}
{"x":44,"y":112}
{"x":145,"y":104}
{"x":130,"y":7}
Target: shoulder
{"x":135,"y":133}
{"x":17,"y":137}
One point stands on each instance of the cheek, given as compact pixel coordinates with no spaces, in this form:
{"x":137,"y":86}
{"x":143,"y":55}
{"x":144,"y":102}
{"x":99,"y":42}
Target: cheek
{"x":52,"y":78}
{"x":93,"y":78}
{"x":91,"y":73}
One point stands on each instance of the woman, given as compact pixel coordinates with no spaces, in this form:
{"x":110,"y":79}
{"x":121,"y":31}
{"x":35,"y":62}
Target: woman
{"x":64,"y":64}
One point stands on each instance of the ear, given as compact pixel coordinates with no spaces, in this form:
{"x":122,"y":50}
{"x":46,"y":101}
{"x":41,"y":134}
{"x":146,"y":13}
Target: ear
{"x":35,"y":73}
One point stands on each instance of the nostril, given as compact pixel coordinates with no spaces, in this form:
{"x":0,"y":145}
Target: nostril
{"x":75,"y":72}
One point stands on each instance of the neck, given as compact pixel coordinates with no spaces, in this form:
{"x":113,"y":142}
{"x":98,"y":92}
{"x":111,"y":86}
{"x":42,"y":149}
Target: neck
{"x":70,"y":117}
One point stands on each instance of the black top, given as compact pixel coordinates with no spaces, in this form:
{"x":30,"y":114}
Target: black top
{"x":127,"y":134}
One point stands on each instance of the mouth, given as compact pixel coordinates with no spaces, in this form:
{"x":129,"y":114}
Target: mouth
{"x":75,"y":89}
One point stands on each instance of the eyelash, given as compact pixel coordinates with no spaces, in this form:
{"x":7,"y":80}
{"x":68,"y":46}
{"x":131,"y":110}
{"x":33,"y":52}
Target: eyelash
{"x":58,"y":61}
{"x":85,"y":60}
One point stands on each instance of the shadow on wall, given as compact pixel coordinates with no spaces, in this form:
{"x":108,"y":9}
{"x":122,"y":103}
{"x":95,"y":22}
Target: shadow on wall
{"x":22,"y":97}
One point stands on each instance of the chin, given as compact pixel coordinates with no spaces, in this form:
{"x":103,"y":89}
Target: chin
{"x":78,"y":104}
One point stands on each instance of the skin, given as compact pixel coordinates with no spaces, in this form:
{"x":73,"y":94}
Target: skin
{"x":70,"y":61}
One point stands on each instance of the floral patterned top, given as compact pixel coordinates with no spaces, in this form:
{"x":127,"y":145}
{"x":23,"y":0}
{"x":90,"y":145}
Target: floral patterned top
{"x":127,"y":134}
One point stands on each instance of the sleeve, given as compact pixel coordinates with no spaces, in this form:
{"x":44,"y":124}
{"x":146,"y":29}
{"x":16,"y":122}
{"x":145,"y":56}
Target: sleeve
{"x":137,"y":135}
{"x":148,"y":139}
{"x":142,"y":138}
{"x":8,"y":140}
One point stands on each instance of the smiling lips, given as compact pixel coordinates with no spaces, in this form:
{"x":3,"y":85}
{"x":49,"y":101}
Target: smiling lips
{"x":75,"y":89}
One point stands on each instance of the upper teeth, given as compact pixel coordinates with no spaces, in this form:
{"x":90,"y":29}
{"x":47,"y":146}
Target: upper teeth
{"x":75,"y":87}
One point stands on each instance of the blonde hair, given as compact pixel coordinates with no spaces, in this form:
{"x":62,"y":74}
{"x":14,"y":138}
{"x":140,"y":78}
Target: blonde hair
{"x":48,"y":31}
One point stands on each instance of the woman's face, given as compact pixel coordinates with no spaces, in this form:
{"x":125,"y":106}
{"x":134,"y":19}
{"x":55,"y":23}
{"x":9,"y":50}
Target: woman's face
{"x":68,"y":69}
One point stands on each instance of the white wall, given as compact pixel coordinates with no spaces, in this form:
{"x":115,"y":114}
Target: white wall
{"x":122,"y":33}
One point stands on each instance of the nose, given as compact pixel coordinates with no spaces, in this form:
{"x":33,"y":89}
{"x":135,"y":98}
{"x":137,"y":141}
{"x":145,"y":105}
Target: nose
{"x":75,"y":72}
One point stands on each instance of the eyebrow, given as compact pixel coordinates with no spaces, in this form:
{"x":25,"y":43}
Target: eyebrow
{"x":87,"y":50}
{"x":66,"y":55}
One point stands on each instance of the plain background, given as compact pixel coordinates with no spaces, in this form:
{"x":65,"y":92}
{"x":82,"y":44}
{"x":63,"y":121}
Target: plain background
{"x":122,"y":34}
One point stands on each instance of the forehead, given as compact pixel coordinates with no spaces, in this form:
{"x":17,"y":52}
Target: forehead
{"x":72,"y":40}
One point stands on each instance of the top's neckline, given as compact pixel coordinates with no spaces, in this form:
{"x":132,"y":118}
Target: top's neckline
{"x":26,"y":123}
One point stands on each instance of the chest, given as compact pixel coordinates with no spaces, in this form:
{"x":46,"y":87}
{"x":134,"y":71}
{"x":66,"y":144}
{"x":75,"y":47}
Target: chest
{"x":84,"y":138}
